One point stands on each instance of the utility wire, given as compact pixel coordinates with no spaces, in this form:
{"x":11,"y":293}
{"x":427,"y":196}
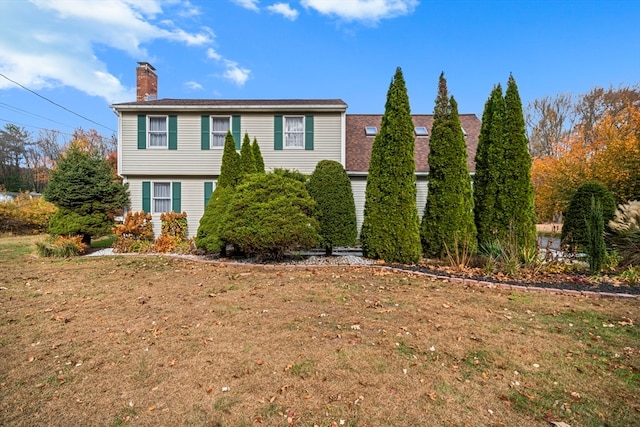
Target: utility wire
{"x":56,"y":104}
{"x":35,"y":127}
{"x":28,"y":113}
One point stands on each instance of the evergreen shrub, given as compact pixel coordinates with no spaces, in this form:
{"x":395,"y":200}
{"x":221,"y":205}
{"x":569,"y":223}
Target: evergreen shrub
{"x":574,"y":227}
{"x":335,"y":209}
{"x":270,"y":215}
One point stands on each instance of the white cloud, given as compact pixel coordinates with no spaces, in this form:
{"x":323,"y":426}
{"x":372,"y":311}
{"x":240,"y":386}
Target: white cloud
{"x":191,"y":85}
{"x":235,"y":73}
{"x":66,"y":44}
{"x":362,"y":10}
{"x":284,"y":9}
{"x":212,"y":54}
{"x":248,"y":4}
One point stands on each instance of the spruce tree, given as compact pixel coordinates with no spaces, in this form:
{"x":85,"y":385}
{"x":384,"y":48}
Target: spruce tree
{"x":390,"y":229}
{"x":447,"y":225}
{"x":335,"y":210}
{"x":247,"y":162}
{"x":257,"y":156}
{"x":517,"y":200}
{"x":86,"y":193}
{"x":489,"y":166}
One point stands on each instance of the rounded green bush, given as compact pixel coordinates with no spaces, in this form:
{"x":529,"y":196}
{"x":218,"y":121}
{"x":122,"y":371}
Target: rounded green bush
{"x":270,"y":215}
{"x":335,"y":210}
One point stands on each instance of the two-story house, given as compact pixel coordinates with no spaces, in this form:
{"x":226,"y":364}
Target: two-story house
{"x":170,"y":150}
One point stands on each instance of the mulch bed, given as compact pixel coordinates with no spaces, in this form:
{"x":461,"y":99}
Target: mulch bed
{"x":580,"y":282}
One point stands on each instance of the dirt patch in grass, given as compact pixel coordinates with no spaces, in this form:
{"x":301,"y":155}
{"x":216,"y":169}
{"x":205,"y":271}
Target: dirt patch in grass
{"x":151,"y":340}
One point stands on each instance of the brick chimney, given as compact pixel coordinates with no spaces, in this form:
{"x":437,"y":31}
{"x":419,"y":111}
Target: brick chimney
{"x":146,"y":82}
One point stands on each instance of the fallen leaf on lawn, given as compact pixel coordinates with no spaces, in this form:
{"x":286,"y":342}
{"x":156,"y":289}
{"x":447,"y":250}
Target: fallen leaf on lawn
{"x":559,"y":424}
{"x":31,"y":359}
{"x":173,"y":362}
{"x":151,"y":408}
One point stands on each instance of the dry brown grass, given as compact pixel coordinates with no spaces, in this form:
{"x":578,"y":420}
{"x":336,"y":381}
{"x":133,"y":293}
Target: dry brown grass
{"x":152,"y":341}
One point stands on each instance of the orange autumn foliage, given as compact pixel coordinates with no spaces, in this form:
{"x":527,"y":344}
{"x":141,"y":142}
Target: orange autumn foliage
{"x":613,"y":158}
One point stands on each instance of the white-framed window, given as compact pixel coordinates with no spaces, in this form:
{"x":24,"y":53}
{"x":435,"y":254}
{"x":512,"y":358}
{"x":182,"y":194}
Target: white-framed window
{"x":157,"y":134}
{"x":220,"y":125}
{"x":161,"y":197}
{"x":294,"y":132}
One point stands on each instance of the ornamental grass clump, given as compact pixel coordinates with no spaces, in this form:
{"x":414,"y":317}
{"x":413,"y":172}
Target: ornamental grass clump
{"x":624,"y":235}
{"x":61,"y":247}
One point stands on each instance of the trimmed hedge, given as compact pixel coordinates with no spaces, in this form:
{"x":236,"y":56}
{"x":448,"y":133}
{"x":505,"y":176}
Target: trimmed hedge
{"x":335,"y":210}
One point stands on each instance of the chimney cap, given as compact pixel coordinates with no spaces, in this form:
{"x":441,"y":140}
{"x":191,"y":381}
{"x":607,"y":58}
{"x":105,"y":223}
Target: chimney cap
{"x":146,"y":65}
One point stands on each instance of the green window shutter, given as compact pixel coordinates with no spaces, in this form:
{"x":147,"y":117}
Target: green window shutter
{"x":142,"y":132}
{"x":235,"y":129}
{"x":205,"y":135}
{"x":208,"y":189}
{"x":175,"y":197}
{"x":146,"y":196}
{"x":308,"y":133}
{"x":277,"y":132}
{"x":173,"y":132}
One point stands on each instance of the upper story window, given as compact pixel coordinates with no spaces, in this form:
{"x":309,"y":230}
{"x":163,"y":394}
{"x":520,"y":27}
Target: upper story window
{"x":421,"y":131}
{"x":220,"y":125}
{"x":161,"y":197}
{"x":294,"y":132}
{"x":370,"y":130}
{"x":158,"y":132}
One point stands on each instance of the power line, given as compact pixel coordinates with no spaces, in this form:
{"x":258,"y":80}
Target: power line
{"x":35,"y":127}
{"x":28,"y":113}
{"x":56,"y":104}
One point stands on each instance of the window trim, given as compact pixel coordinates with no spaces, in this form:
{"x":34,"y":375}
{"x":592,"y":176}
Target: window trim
{"x":211,"y":134}
{"x":285,"y":133}
{"x":154,"y":198}
{"x":166,"y":132}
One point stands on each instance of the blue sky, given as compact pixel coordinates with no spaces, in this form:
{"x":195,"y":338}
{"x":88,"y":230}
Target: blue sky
{"x":82,"y":54}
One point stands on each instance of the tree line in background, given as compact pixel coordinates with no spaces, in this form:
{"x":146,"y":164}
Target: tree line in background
{"x":591,"y":137}
{"x":27,"y":160}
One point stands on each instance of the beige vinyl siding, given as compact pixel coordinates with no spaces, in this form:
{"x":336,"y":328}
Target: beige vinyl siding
{"x":422,"y":185}
{"x":359,"y":188}
{"x":190,"y":159}
{"x":192,"y":199}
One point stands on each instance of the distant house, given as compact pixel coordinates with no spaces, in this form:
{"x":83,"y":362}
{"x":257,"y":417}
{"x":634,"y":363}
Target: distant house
{"x":170,"y":150}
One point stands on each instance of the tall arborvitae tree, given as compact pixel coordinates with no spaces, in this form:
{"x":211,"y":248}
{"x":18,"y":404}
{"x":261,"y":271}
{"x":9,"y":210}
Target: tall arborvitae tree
{"x":215,"y":214}
{"x":390,"y":230}
{"x":447,"y":225}
{"x":257,"y":156}
{"x":230,"y":169}
{"x":517,"y":200}
{"x":247,"y":162}
{"x":489,"y":164}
